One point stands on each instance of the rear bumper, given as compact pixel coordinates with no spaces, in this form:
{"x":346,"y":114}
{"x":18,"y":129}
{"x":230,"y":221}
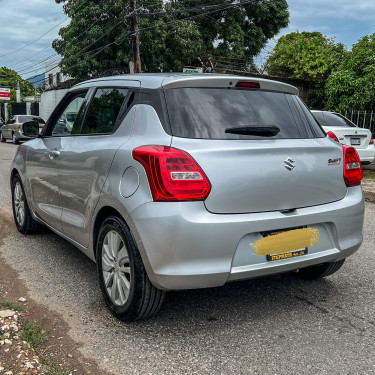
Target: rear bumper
{"x":185,"y":247}
{"x":367,"y":154}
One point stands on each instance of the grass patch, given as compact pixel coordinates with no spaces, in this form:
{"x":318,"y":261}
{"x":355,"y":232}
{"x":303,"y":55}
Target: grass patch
{"x":33,"y":334}
{"x":54,"y":368}
{"x":12,"y":306}
{"x":368,"y":174}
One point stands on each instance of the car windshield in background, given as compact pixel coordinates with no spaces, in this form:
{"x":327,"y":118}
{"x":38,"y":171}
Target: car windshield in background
{"x":332,"y":119}
{"x":206,"y":113}
{"x":30,"y":118}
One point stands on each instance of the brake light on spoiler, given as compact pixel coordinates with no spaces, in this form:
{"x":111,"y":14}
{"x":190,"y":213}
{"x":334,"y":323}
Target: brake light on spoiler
{"x":248,"y":85}
{"x":173,"y":174}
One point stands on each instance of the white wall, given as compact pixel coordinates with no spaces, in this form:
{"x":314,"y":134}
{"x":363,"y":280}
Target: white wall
{"x":49,"y":101}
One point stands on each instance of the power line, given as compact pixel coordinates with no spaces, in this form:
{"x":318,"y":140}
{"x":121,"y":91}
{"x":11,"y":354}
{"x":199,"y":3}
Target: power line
{"x":34,"y":41}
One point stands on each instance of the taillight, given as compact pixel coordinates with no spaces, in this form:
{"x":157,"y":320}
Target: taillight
{"x":173,"y":174}
{"x":352,"y":167}
{"x":333,"y":136}
{"x":371,"y":140}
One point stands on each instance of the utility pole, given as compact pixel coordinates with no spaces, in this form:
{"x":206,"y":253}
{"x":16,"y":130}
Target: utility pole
{"x":135,"y":37}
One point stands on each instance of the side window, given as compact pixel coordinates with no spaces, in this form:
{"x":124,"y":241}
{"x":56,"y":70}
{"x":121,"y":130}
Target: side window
{"x":69,"y":121}
{"x":104,"y":110}
{"x":12,"y":120}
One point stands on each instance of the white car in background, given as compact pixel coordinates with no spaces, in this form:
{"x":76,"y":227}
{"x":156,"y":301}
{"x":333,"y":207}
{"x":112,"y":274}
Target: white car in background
{"x":347,"y":133}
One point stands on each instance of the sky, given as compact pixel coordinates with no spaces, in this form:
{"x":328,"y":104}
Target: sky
{"x":23,"y":21}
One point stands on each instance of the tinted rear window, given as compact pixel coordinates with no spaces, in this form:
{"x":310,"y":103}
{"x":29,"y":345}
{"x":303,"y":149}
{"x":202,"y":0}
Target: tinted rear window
{"x":332,"y":119}
{"x":205,"y":113}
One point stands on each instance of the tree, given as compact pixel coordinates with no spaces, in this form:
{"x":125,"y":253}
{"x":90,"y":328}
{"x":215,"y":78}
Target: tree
{"x":310,"y":56}
{"x":98,"y":37}
{"x":9,"y":78}
{"x":352,"y":86}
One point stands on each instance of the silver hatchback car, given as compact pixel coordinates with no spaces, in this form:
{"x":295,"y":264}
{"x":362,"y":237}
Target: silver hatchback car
{"x":178,"y":181}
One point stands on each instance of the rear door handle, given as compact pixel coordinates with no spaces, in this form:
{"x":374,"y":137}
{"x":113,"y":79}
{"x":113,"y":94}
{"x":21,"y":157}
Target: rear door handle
{"x":53,"y":153}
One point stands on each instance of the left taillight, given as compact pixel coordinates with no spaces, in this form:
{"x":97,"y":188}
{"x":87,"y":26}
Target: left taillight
{"x":353,"y":173}
{"x":173,"y":174}
{"x":333,"y":136}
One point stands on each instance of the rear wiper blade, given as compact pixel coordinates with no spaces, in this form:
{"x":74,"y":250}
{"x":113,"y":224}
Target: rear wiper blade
{"x":262,"y":131}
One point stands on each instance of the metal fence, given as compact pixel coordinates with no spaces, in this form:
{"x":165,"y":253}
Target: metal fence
{"x":363,"y":119}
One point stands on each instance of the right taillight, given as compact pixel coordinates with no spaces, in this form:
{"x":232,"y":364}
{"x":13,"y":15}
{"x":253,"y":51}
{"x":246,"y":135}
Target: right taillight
{"x":173,"y":174}
{"x":372,"y":140}
{"x":352,"y":167}
{"x":333,"y":136}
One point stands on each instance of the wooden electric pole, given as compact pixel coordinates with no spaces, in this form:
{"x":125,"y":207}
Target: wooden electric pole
{"x":135,"y":37}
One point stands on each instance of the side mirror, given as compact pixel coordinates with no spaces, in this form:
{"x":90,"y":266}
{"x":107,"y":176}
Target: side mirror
{"x":31,"y":129}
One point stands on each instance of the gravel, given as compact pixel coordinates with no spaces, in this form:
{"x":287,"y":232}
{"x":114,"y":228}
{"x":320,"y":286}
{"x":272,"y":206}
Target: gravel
{"x":271,"y":325}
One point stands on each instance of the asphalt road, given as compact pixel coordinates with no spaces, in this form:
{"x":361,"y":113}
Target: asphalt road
{"x":272,"y":325}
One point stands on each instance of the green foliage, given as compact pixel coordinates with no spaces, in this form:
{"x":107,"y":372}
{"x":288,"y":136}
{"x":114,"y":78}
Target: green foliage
{"x":352,"y":86}
{"x":9,"y":78}
{"x":33,"y":334}
{"x":12,"y":306}
{"x":310,"y":56}
{"x":98,"y":38}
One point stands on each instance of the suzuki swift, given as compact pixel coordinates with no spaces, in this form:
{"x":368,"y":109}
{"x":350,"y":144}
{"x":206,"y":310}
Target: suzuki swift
{"x":173,"y":182}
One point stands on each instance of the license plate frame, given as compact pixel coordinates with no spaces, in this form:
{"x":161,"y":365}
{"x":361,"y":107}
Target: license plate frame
{"x":288,"y":255}
{"x":355,"y":141}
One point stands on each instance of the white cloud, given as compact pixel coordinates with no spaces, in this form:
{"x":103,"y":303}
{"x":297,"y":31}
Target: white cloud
{"x":23,"y":21}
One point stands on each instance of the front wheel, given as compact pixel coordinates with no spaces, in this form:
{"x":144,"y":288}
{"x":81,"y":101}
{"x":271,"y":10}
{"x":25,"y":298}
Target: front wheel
{"x":2,"y":138}
{"x":21,"y":212}
{"x":123,"y":280}
{"x":15,"y":140}
{"x":319,"y":271}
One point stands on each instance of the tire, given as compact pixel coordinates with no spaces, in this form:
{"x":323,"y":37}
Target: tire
{"x":15,"y":140}
{"x":319,"y":271}
{"x":21,"y":212}
{"x":126,"y":288}
{"x":2,"y":138}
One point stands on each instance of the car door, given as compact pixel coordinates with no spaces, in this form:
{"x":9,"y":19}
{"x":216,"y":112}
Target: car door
{"x":43,"y":160}
{"x":86,"y":159}
{"x":6,"y":129}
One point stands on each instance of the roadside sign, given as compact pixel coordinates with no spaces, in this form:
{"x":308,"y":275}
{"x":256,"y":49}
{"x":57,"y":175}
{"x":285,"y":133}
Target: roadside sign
{"x":191,"y":69}
{"x":4,"y":94}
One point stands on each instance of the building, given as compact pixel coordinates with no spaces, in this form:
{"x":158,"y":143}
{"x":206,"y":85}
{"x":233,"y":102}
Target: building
{"x":53,"y":75}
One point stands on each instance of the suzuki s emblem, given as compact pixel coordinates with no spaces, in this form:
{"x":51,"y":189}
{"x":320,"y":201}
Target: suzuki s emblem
{"x":289,"y":163}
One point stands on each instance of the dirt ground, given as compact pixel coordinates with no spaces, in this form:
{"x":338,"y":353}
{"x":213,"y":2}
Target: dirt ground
{"x":56,"y":347}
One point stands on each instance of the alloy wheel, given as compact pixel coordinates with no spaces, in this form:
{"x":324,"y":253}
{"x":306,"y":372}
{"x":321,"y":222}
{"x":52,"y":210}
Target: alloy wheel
{"x":19,"y":204}
{"x":116,"y":268}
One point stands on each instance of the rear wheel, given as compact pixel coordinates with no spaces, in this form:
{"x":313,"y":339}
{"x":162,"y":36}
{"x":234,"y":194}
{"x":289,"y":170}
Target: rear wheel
{"x":2,"y":138}
{"x":15,"y":140}
{"x":123,"y":280}
{"x":319,"y":271}
{"x":21,"y":212}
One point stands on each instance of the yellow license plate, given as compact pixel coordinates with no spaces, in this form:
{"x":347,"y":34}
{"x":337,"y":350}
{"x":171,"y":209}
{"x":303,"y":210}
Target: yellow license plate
{"x":291,"y":254}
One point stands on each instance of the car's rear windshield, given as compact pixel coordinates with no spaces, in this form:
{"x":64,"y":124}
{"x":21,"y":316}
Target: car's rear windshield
{"x":206,"y":113}
{"x":332,"y":119}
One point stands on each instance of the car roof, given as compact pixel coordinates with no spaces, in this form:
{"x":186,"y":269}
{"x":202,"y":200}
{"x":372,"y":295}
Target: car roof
{"x":173,"y":80}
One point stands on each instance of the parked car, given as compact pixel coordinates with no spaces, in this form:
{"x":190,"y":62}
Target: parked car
{"x":347,"y":133}
{"x":13,"y":129}
{"x":175,"y":182}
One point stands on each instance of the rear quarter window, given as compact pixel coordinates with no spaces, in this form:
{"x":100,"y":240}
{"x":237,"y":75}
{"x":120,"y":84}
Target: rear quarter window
{"x":205,"y":113}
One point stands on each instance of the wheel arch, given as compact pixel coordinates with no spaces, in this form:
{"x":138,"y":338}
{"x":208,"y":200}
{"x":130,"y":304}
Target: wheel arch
{"x":13,"y":172}
{"x":107,"y":211}
{"x":102,"y":214}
